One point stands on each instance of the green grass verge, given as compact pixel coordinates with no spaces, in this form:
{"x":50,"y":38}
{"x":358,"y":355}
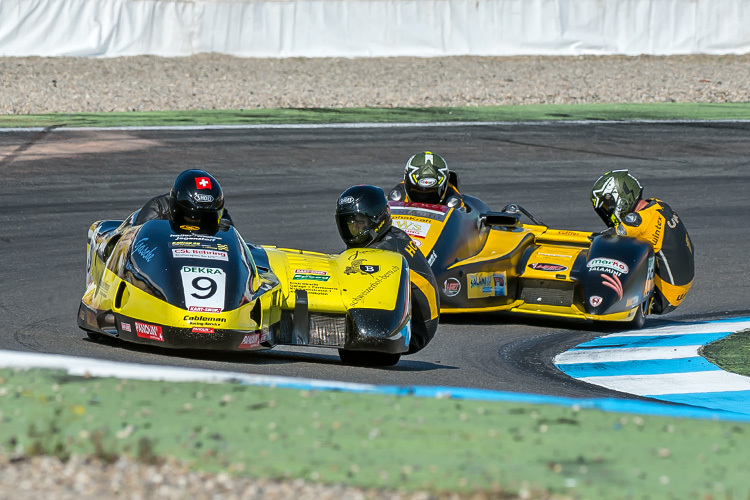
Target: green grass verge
{"x":667,"y":111}
{"x":732,"y":353}
{"x":364,"y":440}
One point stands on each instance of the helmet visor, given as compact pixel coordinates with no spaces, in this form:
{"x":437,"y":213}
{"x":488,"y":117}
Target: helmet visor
{"x":354,"y":228}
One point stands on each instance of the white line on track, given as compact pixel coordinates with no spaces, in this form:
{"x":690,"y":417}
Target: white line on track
{"x":365,"y":125}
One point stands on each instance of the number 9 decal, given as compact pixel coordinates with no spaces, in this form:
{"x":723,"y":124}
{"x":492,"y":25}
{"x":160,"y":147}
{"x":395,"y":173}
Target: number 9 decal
{"x":204,"y":288}
{"x":211,"y":287}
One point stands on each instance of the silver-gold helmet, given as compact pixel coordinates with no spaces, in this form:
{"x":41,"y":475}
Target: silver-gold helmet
{"x":426,"y":178}
{"x":614,"y":195}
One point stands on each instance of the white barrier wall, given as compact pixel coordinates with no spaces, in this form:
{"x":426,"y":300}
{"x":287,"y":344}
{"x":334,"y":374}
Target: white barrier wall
{"x":372,"y":28}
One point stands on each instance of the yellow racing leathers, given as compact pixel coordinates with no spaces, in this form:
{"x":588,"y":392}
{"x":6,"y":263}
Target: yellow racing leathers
{"x":425,"y":301}
{"x":655,"y":221}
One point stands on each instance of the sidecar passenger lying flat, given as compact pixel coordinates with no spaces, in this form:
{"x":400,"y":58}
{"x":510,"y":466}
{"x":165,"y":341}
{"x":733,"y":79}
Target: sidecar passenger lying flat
{"x":152,"y":284}
{"x":489,"y":261}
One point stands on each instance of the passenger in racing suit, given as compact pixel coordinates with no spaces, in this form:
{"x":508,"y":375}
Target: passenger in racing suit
{"x":363,"y":219}
{"x":428,"y":180}
{"x":195,"y":201}
{"x":616,"y":197}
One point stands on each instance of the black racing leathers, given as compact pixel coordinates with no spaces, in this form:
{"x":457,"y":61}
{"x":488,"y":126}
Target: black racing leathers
{"x":425,"y":300}
{"x":158,"y":208}
{"x":656,"y":222}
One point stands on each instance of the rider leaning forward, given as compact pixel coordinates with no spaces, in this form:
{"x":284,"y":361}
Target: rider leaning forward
{"x":428,"y":180}
{"x":616,"y":197}
{"x":363,"y":219}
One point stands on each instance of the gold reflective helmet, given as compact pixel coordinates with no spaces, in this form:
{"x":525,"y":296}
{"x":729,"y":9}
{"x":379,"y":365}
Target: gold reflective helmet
{"x":614,"y":195}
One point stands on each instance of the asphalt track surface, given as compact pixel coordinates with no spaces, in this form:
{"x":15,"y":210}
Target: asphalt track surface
{"x":281,"y":186}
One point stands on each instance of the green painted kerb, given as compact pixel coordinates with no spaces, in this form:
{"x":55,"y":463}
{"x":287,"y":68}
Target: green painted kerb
{"x":365,"y":440}
{"x":535,"y":112}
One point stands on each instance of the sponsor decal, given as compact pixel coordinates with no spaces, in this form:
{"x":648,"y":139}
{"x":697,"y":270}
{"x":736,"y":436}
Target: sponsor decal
{"x":401,"y":209}
{"x":673,"y":221}
{"x":431,"y":259}
{"x":608,"y":265}
{"x":146,"y":331}
{"x":250,"y":341}
{"x":412,"y":228}
{"x":613,"y":282}
{"x":480,"y":285}
{"x":199,"y":253}
{"x":541,"y":266}
{"x":194,"y":237}
{"x":595,"y":300}
{"x":143,"y":250}
{"x":451,"y":287}
{"x":310,"y":271}
{"x":375,"y":283}
{"x":203,"y":198}
{"x":185,"y":227}
{"x":311,"y":277}
{"x":203,"y":183}
{"x":657,"y":230}
{"x":203,"y":319}
{"x":649,"y":284}
{"x":428,"y":182}
{"x":346,"y":200}
{"x":359,"y":267}
{"x":125,"y":327}
{"x":202,"y":329}
{"x":221,"y":246}
{"x":555,"y":255}
{"x":200,"y":309}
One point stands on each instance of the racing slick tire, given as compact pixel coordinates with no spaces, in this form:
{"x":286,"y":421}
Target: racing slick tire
{"x":640,"y":316}
{"x":368,"y":358}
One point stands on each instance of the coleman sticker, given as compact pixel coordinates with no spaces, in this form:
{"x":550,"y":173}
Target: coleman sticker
{"x":539,"y":266}
{"x":125,"y":327}
{"x":607,"y":265}
{"x":146,"y":331}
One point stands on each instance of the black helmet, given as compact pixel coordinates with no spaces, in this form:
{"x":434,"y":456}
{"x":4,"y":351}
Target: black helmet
{"x":426,"y":178}
{"x":362,"y":215}
{"x":196,"y":202}
{"x":614,"y":195}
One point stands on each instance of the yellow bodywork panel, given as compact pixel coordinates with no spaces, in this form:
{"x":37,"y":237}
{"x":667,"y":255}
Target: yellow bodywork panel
{"x":135,"y":303}
{"x":356,"y":278}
